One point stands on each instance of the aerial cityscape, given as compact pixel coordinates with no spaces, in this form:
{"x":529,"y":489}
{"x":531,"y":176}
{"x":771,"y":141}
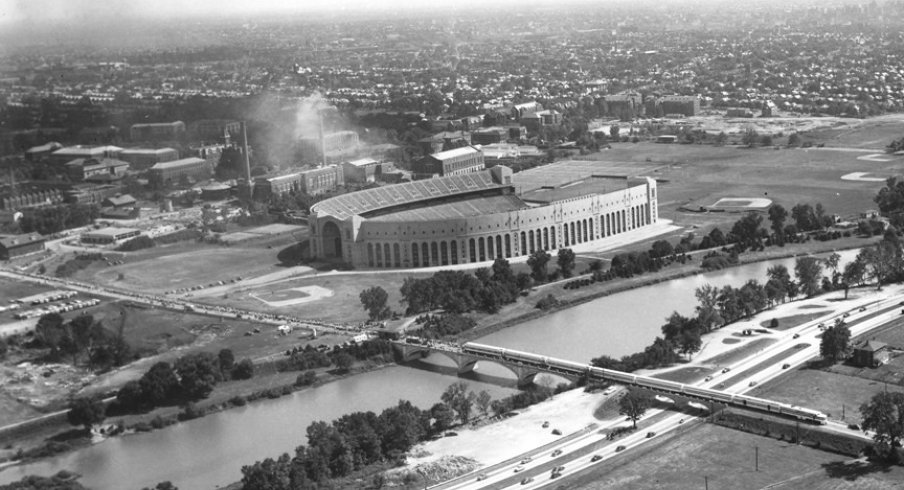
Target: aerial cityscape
{"x":578,"y":244}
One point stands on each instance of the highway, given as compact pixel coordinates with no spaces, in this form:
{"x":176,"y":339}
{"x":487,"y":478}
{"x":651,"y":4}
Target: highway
{"x":800,"y":344}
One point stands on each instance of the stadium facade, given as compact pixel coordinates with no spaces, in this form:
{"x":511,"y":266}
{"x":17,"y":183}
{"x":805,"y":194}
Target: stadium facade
{"x":479,"y":216}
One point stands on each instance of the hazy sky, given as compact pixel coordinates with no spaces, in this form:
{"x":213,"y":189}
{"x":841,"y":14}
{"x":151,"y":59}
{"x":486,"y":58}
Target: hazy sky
{"x":83,"y":11}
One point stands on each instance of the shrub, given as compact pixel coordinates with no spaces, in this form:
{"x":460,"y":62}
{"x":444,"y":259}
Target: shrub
{"x":137,"y":243}
{"x":773,"y":323}
{"x":548,"y":302}
{"x":238,"y":401}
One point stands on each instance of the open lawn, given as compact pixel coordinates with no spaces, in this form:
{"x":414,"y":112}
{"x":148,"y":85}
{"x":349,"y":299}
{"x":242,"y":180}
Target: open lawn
{"x":823,"y":391}
{"x":162,"y":269}
{"x":11,"y":289}
{"x":786,"y":322}
{"x":694,"y":176}
{"x":702,"y":454}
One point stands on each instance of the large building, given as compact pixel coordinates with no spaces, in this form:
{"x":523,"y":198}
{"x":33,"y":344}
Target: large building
{"x":464,"y":160}
{"x":144,"y":158}
{"x":69,"y":153}
{"x":673,"y":105}
{"x":12,"y":246}
{"x":170,"y":173}
{"x":335,"y":147}
{"x":480,"y":216}
{"x":96,"y":169}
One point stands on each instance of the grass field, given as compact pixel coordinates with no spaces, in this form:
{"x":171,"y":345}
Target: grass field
{"x":705,"y":454}
{"x":827,"y":392}
{"x":786,"y":322}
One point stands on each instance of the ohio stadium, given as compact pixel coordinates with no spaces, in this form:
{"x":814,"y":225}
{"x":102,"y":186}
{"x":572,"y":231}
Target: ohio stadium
{"x":476,"y":217}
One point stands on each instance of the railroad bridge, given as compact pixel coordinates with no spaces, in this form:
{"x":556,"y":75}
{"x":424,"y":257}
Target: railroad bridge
{"x":467,"y":362}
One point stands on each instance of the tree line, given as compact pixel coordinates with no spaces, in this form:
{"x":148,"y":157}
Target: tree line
{"x":354,"y":441}
{"x":192,"y":377}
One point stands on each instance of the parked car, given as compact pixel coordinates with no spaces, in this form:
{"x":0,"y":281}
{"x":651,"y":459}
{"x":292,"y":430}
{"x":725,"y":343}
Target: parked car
{"x":595,"y":458}
{"x":546,"y":425}
{"x":853,"y":426}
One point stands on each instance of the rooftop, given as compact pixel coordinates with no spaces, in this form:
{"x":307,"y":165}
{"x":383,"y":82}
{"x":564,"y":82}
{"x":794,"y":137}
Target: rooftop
{"x":146,"y":151}
{"x":455,"y":153}
{"x":111,"y":231}
{"x":478,"y":206}
{"x":12,"y":241}
{"x":363,"y":162}
{"x":178,"y":163}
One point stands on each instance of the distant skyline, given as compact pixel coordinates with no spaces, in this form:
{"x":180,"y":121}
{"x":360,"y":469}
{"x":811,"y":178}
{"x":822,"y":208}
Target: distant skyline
{"x":83,"y":11}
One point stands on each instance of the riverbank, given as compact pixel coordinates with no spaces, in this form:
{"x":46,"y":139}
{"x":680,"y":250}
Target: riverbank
{"x":525,"y":311}
{"x":520,"y":436}
{"x":58,"y":437}
{"x":276,"y":383}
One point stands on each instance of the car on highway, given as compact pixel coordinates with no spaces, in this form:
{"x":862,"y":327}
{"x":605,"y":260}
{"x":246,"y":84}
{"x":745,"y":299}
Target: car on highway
{"x":753,"y":383}
{"x":546,"y":425}
{"x":481,"y":477}
{"x":785,"y":365}
{"x":519,"y":469}
{"x":526,"y":460}
{"x":556,"y":453}
{"x":651,"y":434}
{"x":620,"y":449}
{"x":797,"y":335}
{"x":725,"y":370}
{"x":862,"y":308}
{"x":595,"y":458}
{"x":853,"y":427}
{"x":708,"y":378}
{"x":527,"y":479}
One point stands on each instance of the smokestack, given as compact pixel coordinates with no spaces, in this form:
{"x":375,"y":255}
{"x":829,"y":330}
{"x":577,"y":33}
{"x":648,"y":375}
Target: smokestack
{"x":322,"y":139}
{"x":245,"y":151}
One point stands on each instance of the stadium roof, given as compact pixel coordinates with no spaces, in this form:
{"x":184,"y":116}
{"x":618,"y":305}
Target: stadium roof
{"x":347,"y":205}
{"x":477,"y":206}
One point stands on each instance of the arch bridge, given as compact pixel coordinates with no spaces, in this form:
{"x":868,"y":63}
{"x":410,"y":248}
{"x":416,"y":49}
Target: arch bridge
{"x":466,"y":362}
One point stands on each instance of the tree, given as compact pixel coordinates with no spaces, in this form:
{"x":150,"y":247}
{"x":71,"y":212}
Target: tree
{"x":777,"y":216}
{"x":794,"y":139}
{"x":565,"y":261}
{"x":750,"y":137}
{"x":884,"y":414}
{"x":537,"y":263}
{"x":443,"y":416}
{"x":835,"y":343}
{"x":344,"y":361}
{"x":634,"y":405}
{"x":374,"y":301}
{"x":831,"y":262}
{"x":86,"y":411}
{"x":661,"y":248}
{"x":159,"y":385}
{"x":198,"y":374}
{"x":459,"y":399}
{"x":804,"y":217}
{"x":243,"y":370}
{"x":708,"y":315}
{"x":49,"y":331}
{"x":226,"y":361}
{"x":808,"y":271}
{"x":483,"y":401}
{"x":690,"y":341}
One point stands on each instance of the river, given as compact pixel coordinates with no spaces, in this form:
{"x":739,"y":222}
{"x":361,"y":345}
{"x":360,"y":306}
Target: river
{"x":210,"y":451}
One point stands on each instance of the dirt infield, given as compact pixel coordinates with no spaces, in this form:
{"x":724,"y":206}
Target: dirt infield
{"x":292,"y":296}
{"x":741,"y":204}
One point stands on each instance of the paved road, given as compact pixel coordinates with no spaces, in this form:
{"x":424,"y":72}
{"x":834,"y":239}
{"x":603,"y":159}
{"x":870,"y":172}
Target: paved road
{"x":578,"y":451}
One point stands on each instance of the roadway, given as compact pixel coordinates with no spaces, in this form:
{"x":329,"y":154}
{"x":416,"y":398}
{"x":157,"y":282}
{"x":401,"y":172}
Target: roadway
{"x":800,"y":344}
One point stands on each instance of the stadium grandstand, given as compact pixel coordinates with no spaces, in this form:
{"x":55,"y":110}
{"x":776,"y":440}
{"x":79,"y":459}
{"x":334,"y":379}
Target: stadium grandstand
{"x":476,"y":217}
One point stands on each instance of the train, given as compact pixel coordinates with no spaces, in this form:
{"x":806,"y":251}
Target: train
{"x":578,"y":369}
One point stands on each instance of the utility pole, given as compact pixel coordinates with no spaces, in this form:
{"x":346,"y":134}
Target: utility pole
{"x":757,"y":457}
{"x":705,"y":482}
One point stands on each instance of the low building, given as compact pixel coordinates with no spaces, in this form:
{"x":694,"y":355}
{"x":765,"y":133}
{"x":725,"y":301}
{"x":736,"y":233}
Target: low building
{"x":97,"y":169}
{"x":361,"y":171}
{"x":171,"y":173}
{"x":216,"y":192}
{"x":119,"y":201}
{"x":277,"y":184}
{"x":537,"y":120}
{"x":69,"y":153}
{"x":459,"y":161}
{"x":12,"y":246}
{"x":871,"y":353}
{"x":144,"y":158}
{"x":39,"y":153}
{"x":157,"y":131}
{"x":106,"y":236}
{"x":489,"y":136}
{"x":739,"y":112}
{"x":211,"y":153}
{"x":220,"y":130}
